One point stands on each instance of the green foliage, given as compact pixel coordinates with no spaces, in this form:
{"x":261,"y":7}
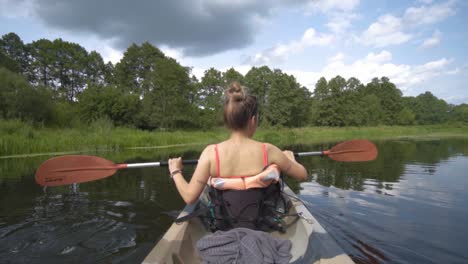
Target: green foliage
{"x":258,"y":81}
{"x":168,"y":103}
{"x":19,"y":100}
{"x":110,"y":102}
{"x":287,"y":101}
{"x":210,"y":98}
{"x":9,"y":63}
{"x":428,"y":108}
{"x":390,"y":99}
{"x":232,"y":75}
{"x":65,"y":114}
{"x":15,"y":51}
{"x":133,"y":72}
{"x":459,"y":113}
{"x":406,"y":117}
{"x":62,"y":85}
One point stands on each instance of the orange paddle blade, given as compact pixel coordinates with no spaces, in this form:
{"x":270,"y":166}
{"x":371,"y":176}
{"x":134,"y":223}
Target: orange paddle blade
{"x":74,"y":169}
{"x":353,"y":150}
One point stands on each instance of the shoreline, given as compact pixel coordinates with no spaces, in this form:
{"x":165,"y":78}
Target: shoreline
{"x":26,"y":141}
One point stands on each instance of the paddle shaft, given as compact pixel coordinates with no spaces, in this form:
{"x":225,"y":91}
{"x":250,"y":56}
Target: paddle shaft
{"x":192,"y":162}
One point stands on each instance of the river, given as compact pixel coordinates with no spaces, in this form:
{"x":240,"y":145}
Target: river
{"x":408,"y":206}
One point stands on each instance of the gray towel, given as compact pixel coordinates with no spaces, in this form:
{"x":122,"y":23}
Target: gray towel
{"x":243,"y":245}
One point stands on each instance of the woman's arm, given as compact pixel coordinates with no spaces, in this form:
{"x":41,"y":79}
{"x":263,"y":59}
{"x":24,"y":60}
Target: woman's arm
{"x":286,"y":162}
{"x":192,"y":190}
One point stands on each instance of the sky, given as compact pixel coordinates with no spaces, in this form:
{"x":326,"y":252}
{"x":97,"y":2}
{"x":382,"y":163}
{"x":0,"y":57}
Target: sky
{"x":421,"y":45}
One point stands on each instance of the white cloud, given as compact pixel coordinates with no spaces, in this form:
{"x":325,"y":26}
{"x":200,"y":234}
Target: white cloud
{"x":277,"y":54}
{"x":434,"y":40}
{"x":110,"y":54}
{"x":329,"y":5}
{"x":339,"y":13}
{"x":340,"y":22}
{"x":386,"y":31}
{"x":393,"y":30}
{"x":338,"y":57}
{"x":174,"y":53}
{"x":375,"y":65}
{"x":425,"y":15}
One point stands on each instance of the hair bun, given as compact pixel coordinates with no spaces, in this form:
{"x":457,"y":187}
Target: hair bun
{"x":235,"y":92}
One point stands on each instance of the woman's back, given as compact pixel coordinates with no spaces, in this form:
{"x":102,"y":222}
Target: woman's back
{"x":238,"y":158}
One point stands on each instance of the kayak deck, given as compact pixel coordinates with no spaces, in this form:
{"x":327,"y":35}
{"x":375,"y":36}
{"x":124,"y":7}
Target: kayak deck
{"x":310,"y":242}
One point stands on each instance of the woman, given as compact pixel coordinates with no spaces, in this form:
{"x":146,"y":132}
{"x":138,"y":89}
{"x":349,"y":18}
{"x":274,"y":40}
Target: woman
{"x":239,"y":155}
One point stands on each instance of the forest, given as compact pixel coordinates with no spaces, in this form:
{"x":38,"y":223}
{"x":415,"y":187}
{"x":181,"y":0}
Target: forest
{"x":55,"y":83}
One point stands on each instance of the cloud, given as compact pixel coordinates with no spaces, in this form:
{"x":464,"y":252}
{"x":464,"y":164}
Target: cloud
{"x":393,"y":30}
{"x":16,"y":9}
{"x":340,"y":22}
{"x":333,"y":5}
{"x":385,"y":32}
{"x":279,"y":53}
{"x":425,"y":15}
{"x":110,"y":54}
{"x":197,"y":28}
{"x":375,"y":65}
{"x":434,"y":40}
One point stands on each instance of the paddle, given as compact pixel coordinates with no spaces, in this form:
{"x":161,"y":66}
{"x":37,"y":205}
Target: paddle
{"x":70,"y":169}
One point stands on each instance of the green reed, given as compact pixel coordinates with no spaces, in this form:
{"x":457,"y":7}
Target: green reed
{"x":18,"y":138}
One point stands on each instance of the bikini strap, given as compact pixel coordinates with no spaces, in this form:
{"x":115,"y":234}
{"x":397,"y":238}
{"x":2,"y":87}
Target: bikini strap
{"x":218,"y":171}
{"x":265,"y":155}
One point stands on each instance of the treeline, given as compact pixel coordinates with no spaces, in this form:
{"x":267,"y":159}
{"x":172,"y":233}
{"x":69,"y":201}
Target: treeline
{"x":59,"y":83}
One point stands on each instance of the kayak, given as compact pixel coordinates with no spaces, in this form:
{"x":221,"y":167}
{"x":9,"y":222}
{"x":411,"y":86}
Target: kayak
{"x":310,"y":242}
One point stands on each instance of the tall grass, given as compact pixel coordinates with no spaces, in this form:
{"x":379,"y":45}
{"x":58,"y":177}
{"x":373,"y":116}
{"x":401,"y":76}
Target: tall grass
{"x":19,"y":138}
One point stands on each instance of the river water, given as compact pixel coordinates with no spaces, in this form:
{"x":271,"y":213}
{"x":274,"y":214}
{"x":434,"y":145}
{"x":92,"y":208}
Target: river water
{"x":408,"y":206}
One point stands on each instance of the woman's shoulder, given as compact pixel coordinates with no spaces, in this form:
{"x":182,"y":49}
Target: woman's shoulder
{"x":270,"y":146}
{"x":209,"y":148}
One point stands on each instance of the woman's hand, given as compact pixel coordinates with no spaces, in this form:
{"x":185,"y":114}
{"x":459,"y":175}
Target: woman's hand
{"x":175,"y":165}
{"x":289,"y":154}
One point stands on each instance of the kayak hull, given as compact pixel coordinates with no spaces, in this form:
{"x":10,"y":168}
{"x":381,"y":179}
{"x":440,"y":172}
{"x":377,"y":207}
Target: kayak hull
{"x":310,"y":242}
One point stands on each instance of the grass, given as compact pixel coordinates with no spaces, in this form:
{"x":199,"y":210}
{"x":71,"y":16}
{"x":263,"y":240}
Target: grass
{"x":19,"y":139}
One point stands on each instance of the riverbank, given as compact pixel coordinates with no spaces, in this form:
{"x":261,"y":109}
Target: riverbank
{"x":18,"y":139}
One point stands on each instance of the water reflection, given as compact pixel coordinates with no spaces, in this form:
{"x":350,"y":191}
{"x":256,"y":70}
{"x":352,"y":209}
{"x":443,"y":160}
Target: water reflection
{"x":411,"y":210}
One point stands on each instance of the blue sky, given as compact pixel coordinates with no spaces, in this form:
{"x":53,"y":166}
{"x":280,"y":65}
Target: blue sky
{"x":420,"y":45}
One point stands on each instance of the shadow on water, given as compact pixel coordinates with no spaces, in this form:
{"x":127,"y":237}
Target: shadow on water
{"x":408,"y":206}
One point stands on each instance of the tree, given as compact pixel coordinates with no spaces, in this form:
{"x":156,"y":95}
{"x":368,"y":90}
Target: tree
{"x":390,"y":98}
{"x":210,"y":98}
{"x":330,"y":100}
{"x":69,"y":71}
{"x":42,"y":60}
{"x":167,"y":102}
{"x":13,"y":47}
{"x":459,"y":113}
{"x":136,"y":67}
{"x":258,"y":82}
{"x":109,"y":102}
{"x":429,"y":109}
{"x":9,"y":63}
{"x":232,"y":75}
{"x":287,"y":103}
{"x":19,"y":100}
{"x":406,"y":117}
{"x":96,"y":70}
